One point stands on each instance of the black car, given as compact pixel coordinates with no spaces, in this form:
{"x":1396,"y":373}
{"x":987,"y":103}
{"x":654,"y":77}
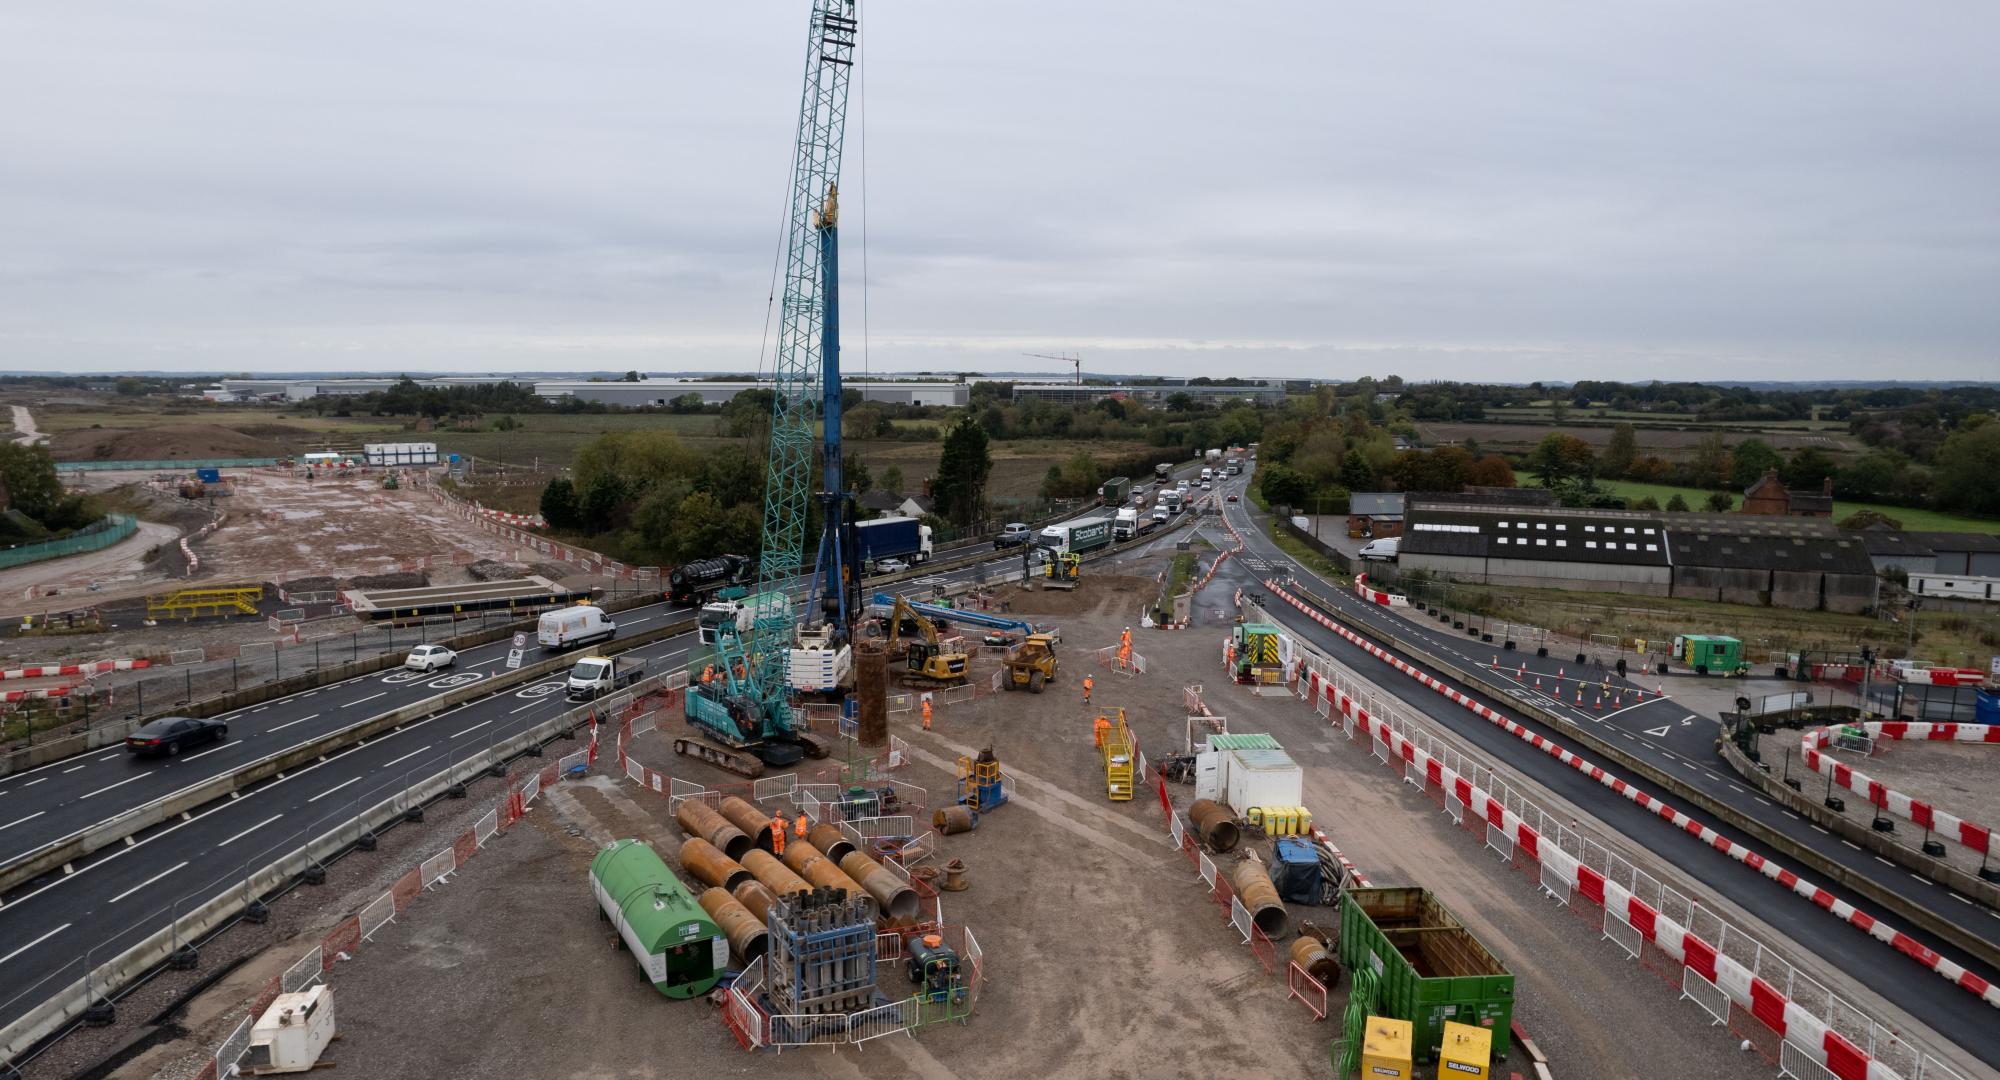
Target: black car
{"x":170,"y":735}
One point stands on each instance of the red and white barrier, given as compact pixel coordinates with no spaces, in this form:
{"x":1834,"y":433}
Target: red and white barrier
{"x":95,"y":667}
{"x":1679,"y":819}
{"x":1977,"y":837}
{"x":35,"y":695}
{"x":1377,"y":596}
{"x":1942,"y":676}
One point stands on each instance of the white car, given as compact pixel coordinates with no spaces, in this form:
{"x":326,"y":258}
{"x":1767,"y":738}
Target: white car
{"x":430,"y":658}
{"x":1205,"y":485}
{"x":1183,"y":485}
{"x":890,"y":566}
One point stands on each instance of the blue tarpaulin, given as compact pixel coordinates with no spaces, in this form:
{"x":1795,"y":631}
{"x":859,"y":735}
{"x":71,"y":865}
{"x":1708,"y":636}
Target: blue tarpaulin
{"x":1295,"y":871}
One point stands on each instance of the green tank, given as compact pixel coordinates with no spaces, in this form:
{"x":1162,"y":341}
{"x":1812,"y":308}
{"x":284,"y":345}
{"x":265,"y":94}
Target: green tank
{"x":680,"y":950}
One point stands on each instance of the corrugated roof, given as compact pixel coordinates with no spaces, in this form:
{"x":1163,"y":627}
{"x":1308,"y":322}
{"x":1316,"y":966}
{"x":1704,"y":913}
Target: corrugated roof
{"x":1243,"y":741}
{"x":1769,"y":549}
{"x":1535,"y":533}
{"x":1890,"y":542}
{"x":1956,"y":541}
{"x":1375,"y":502}
{"x":1264,"y":759}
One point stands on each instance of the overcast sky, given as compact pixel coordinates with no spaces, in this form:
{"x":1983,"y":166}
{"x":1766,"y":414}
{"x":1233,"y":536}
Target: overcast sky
{"x":1438,"y":190}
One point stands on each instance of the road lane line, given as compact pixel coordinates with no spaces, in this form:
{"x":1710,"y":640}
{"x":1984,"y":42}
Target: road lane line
{"x":526,"y":707}
{"x":474,"y":727}
{"x":120,"y":783}
{"x":146,"y":882}
{"x":1852,"y":844}
{"x":107,"y":757}
{"x":18,"y":821}
{"x":73,"y":768}
{"x":37,"y":941}
{"x":250,"y":830}
{"x":289,"y":723}
{"x":212,"y":750}
{"x":32,"y":783}
{"x":334,"y":788}
{"x":370,"y":697}
{"x":408,"y":756}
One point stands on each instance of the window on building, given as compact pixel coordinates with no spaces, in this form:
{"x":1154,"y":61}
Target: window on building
{"x":1590,"y":543}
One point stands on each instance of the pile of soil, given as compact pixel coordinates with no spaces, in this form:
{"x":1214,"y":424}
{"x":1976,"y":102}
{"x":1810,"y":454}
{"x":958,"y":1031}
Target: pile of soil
{"x":1091,"y":593}
{"x":492,"y":570}
{"x":322,"y":583}
{"x":412,"y":580}
{"x":190,"y":441}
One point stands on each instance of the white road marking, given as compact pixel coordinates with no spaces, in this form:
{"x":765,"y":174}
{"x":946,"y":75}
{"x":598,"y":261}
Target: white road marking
{"x":33,"y":782}
{"x":1852,"y":844}
{"x":146,"y":882}
{"x":1789,"y":814}
{"x":1761,"y":799}
{"x":334,"y":788}
{"x":474,"y":727}
{"x":1886,"y":862}
{"x":18,"y":821}
{"x":212,"y":750}
{"x":120,"y":783}
{"x":289,"y":723}
{"x":107,"y":757}
{"x":524,"y":708}
{"x":73,"y":768}
{"x":1821,"y":831}
{"x":250,"y":830}
{"x":408,"y":756}
{"x":37,"y":941}
{"x":1959,"y":898}
{"x":358,"y":701}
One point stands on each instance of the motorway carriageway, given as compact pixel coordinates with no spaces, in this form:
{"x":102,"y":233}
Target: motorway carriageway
{"x":1954,"y":1013}
{"x":52,"y":927}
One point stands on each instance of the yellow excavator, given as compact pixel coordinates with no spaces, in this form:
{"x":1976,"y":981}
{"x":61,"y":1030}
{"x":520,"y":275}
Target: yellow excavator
{"x":929,"y":664}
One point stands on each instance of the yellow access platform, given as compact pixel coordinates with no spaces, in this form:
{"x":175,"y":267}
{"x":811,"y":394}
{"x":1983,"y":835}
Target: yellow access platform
{"x":1119,"y":756}
{"x":193,"y":603}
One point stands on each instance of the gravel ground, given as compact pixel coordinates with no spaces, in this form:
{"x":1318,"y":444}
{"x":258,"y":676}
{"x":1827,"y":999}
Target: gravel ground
{"x":1957,"y":778}
{"x":1105,"y":950}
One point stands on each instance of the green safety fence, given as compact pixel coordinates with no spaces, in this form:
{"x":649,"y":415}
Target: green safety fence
{"x":170,"y":464}
{"x":103,"y":534}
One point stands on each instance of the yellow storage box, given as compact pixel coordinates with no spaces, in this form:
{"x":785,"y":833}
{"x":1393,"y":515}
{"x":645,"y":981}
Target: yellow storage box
{"x":1385,"y":1049}
{"x":1467,"y":1052}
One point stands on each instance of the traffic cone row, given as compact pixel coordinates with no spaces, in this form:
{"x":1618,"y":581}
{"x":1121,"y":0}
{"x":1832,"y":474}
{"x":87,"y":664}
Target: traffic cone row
{"x":1600,"y":703}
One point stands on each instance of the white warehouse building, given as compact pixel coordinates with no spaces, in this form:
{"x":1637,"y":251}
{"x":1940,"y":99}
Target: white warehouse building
{"x":659,"y":392}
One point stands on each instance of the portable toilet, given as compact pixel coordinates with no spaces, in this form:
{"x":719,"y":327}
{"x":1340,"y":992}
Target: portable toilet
{"x":1466,"y":1051}
{"x":1385,"y":1049}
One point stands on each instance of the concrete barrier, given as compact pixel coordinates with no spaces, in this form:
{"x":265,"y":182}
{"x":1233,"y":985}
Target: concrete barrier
{"x":57,"y":853}
{"x":68,"y":1003}
{"x":1902,"y":906}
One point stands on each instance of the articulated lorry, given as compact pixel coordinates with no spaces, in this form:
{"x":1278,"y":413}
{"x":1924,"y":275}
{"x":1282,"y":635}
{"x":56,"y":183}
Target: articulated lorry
{"x":1076,"y":537}
{"x":893,"y":538}
{"x":1126,"y":525}
{"x":1115,"y":491}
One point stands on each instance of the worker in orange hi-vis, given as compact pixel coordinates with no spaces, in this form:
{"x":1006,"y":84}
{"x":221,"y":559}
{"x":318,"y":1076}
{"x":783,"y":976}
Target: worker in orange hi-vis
{"x":778,"y":824}
{"x":799,"y":825}
{"x":1125,"y":639}
{"x":1100,"y":729}
{"x":708,"y":673}
{"x":927,"y":712}
{"x":1125,"y":655}
{"x":1088,"y":682}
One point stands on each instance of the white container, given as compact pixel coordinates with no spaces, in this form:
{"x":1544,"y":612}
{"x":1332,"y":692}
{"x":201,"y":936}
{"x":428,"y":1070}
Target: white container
{"x":1261,"y":778}
{"x":813,"y":668}
{"x":292,"y":1033}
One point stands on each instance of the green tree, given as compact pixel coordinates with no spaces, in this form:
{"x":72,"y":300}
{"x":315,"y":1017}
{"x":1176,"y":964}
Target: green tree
{"x":963,"y":469}
{"x":1709,"y":467}
{"x":689,"y":402}
{"x":1356,"y":474}
{"x":1749,"y":460}
{"x":1721,"y":502}
{"x":892,"y":479}
{"x":1559,"y":459}
{"x":1808,"y":470}
{"x":602,"y":505}
{"x":1879,"y":474}
{"x":1490,"y":471}
{"x":559,"y":504}
{"x":29,"y":473}
{"x":631,"y":376}
{"x":859,"y":479}
{"x":699,"y":528}
{"x":1283,"y":485}
{"x":1967,"y":465}
{"x":1678,"y":503}
{"x":1620,"y":452}
{"x":1647,"y":503}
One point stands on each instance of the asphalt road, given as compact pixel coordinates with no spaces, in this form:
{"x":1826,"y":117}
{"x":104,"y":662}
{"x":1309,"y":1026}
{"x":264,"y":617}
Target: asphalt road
{"x":1685,"y":743}
{"x":55,"y":928}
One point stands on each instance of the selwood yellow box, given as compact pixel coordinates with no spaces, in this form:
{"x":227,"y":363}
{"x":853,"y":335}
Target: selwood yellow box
{"x":1385,"y":1049}
{"x":1466,"y":1054}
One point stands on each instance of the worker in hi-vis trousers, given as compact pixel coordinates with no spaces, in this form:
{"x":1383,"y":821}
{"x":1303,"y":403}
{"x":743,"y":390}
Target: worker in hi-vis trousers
{"x":927,"y":712}
{"x":778,"y":824}
{"x":1100,"y":729}
{"x":799,"y":825}
{"x":1087,"y":684}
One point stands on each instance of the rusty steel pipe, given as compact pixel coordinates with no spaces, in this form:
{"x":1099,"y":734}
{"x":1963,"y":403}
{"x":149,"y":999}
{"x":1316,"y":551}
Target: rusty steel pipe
{"x":746,"y":935}
{"x":710,"y":866}
{"x":806,"y":861}
{"x":697,"y":818}
{"x":744,"y":814}
{"x":753,"y":895}
{"x":956,"y":818}
{"x":773,"y":874}
{"x":1216,"y":825}
{"x":1254,"y":889}
{"x":892,"y":894}
{"x":1312,"y":957}
{"x":827,"y":837}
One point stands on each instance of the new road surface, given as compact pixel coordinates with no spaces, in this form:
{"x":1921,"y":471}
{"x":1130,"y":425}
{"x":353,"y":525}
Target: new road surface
{"x":1673,"y":738}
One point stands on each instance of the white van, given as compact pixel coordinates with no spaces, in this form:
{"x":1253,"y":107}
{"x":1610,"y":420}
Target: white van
{"x":570,"y":627}
{"x":1383,"y":550}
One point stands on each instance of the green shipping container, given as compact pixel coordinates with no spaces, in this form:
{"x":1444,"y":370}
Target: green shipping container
{"x":680,"y":950}
{"x":1430,"y":967}
{"x":1709,"y":653}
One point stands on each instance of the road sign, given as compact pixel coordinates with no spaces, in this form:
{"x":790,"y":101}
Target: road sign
{"x":520,"y":647}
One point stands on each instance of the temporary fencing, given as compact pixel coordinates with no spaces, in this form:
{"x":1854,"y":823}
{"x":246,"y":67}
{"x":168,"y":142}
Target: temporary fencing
{"x":95,"y":667}
{"x":1816,"y":740}
{"x":1762,"y":996}
{"x":346,"y":937}
{"x":1901,"y":942}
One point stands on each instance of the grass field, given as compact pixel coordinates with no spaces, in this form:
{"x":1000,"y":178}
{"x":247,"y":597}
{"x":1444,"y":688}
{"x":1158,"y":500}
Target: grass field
{"x":1915,"y":519}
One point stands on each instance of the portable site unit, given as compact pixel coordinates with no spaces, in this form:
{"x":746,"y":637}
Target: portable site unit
{"x":1257,"y":654}
{"x":1247,"y":778}
{"x":1709,"y":652}
{"x":1431,"y":969}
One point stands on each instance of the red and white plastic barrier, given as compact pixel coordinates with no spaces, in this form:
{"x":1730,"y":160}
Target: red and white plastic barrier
{"x":35,"y":695}
{"x":1377,"y":596}
{"x":1977,"y":837}
{"x":1679,"y":819}
{"x":528,"y":521}
{"x":95,"y":667}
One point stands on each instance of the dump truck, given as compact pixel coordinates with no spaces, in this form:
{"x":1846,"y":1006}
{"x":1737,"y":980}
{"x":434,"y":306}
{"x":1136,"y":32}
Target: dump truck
{"x":1031,"y":664}
{"x":1429,"y":967}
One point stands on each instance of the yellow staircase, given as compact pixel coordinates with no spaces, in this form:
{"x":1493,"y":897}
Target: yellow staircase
{"x":1119,"y":758}
{"x":193,"y":603}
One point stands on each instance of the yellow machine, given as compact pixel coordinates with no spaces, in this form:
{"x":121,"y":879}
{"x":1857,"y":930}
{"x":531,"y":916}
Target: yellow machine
{"x":1119,"y":757}
{"x":1062,"y":569}
{"x":1031,"y":663}
{"x":928,"y":663}
{"x":1385,"y":1049}
{"x":1467,"y":1051}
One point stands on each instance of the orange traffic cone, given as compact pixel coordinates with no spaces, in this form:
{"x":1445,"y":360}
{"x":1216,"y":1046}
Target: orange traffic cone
{"x":1600,"y":703}
{"x":1495,"y":665}
{"x":1559,"y":672}
{"x":1523,"y":673}
{"x":1538,"y":682}
{"x":1579,"y":695}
